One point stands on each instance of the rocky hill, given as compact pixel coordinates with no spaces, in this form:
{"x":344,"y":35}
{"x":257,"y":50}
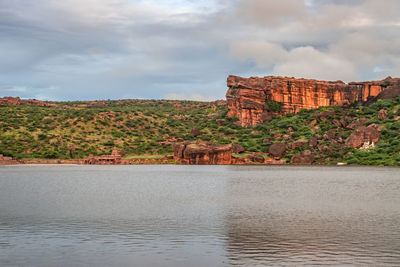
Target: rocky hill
{"x":209,"y":132}
{"x":255,"y":100}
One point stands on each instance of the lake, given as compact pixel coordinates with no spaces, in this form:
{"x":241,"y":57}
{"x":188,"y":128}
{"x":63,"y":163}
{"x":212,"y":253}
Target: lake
{"x":167,"y":215}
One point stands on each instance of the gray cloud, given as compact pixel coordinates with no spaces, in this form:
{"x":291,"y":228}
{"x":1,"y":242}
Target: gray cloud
{"x":325,"y":40}
{"x":155,"y":49}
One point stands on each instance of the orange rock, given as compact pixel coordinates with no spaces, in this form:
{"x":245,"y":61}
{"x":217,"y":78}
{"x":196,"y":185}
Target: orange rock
{"x":277,"y":150}
{"x":10,"y":101}
{"x":247,"y":97}
{"x":363,"y":136}
{"x":202,"y":153}
{"x":382,"y":114}
{"x":305,"y":158}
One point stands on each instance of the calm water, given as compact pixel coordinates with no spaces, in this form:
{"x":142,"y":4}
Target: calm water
{"x":199,"y":216}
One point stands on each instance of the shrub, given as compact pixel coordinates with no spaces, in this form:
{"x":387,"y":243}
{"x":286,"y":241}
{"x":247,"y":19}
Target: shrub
{"x":273,"y":106}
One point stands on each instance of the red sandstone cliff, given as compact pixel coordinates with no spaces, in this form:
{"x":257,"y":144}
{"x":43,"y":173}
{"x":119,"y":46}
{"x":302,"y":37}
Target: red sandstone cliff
{"x":247,"y":98}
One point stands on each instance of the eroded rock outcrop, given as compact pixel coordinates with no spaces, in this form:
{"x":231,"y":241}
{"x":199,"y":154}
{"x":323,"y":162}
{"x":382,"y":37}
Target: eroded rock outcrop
{"x":305,"y":158}
{"x":254,"y":100}
{"x":363,"y":136}
{"x":8,"y":100}
{"x":202,"y":153}
{"x":277,"y":150}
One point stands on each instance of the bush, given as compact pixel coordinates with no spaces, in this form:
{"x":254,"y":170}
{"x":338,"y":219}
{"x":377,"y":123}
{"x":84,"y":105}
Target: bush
{"x":273,"y":106}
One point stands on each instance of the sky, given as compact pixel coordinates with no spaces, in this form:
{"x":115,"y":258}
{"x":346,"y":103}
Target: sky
{"x":185,"y":49}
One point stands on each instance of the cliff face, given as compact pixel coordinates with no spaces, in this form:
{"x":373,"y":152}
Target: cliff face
{"x":254,"y":100}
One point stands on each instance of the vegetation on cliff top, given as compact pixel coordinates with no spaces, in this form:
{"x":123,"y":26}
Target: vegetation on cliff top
{"x":149,"y":127}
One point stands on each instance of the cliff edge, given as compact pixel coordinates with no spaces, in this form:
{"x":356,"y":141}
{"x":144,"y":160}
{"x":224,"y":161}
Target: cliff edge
{"x":255,"y":100}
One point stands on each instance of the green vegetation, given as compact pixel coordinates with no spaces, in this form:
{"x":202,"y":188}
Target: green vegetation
{"x":142,"y":128}
{"x":386,"y":83}
{"x":273,"y":105}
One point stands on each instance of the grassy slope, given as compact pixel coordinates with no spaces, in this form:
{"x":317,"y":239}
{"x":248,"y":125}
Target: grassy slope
{"x":137,"y":128}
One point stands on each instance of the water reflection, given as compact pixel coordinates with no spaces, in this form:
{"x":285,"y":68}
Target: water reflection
{"x":314,"y":219}
{"x":198,"y":216}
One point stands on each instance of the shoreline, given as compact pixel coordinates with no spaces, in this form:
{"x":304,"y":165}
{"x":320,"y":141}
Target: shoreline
{"x":149,"y":162}
{"x":152,"y":161}
{"x":171,"y":164}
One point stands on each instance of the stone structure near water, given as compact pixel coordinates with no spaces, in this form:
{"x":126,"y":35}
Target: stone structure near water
{"x":114,"y":158}
{"x":202,"y":153}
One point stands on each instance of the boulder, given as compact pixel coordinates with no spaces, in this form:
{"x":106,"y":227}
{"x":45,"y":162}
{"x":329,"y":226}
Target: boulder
{"x":313,"y":142}
{"x":266,"y":116}
{"x":312,"y":123}
{"x":256,"y":158}
{"x":277,"y":150}
{"x":201,"y":153}
{"x":343,"y":123}
{"x":299,"y":143}
{"x":358,"y":123}
{"x":382,"y":114}
{"x":363,"y":136}
{"x":195,"y":132}
{"x":302,"y":159}
{"x":237,"y":149}
{"x":330,"y":134}
{"x":178,"y":150}
{"x":376,"y":126}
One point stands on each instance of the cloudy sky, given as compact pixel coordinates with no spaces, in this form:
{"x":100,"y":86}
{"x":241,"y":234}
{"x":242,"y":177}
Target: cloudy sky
{"x":185,"y":49}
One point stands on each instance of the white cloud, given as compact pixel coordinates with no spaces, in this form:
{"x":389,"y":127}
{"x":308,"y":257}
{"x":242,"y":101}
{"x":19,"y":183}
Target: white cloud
{"x":304,"y":61}
{"x":326,"y":40}
{"x":263,"y":53}
{"x":307,"y":62}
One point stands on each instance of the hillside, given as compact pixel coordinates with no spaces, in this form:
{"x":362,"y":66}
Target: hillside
{"x":150,"y":127}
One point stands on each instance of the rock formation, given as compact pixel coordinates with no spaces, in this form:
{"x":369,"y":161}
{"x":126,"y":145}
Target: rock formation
{"x":237,"y":149}
{"x":10,"y":101}
{"x":256,"y":158}
{"x":277,"y":150}
{"x":17,"y":101}
{"x":7,"y":160}
{"x":382,"y":114}
{"x":254,"y":100}
{"x":201,"y":153}
{"x":363,"y":136}
{"x":305,"y":158}
{"x":114,"y":158}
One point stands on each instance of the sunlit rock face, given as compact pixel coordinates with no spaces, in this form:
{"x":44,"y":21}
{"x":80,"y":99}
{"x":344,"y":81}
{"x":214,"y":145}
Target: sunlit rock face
{"x":253,"y":100}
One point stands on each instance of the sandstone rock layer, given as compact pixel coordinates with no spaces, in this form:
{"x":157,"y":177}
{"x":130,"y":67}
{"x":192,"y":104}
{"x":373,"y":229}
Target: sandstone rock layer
{"x":253,"y":100}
